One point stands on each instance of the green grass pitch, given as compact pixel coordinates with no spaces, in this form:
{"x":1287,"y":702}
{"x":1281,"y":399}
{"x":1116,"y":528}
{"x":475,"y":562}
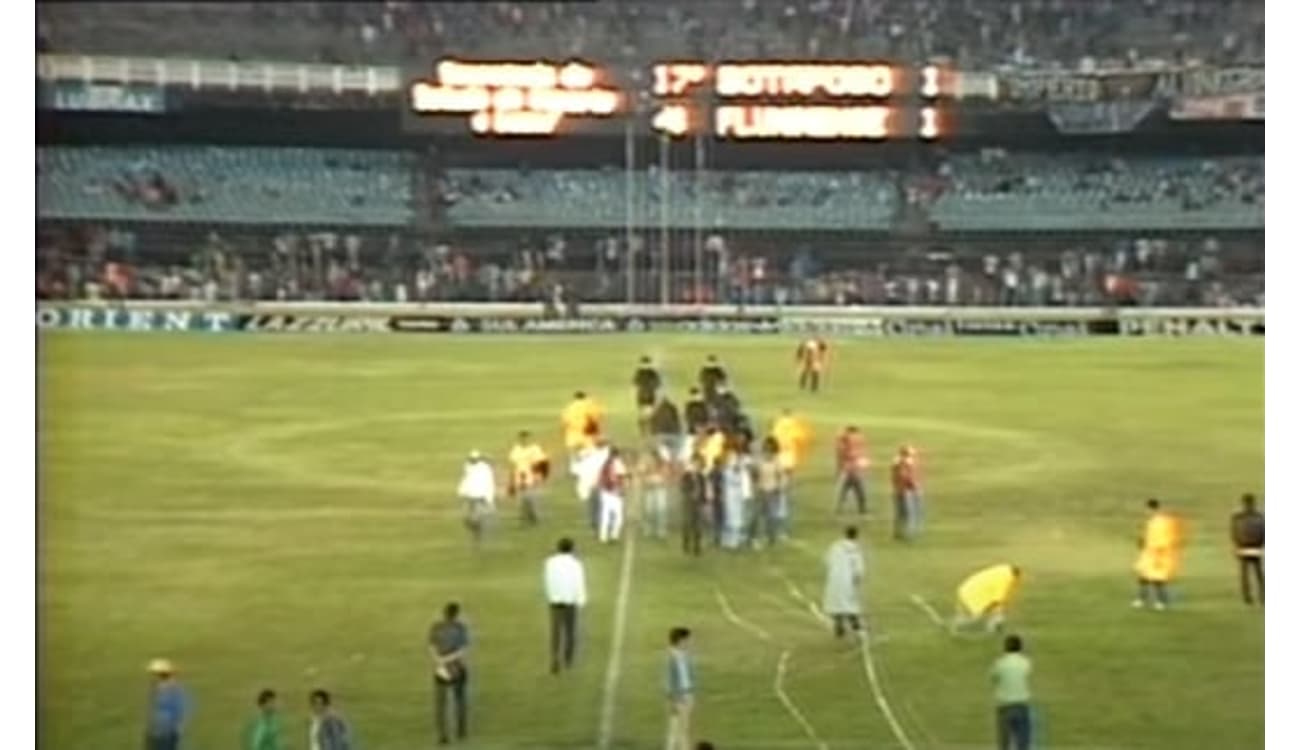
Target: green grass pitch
{"x":279,"y":511}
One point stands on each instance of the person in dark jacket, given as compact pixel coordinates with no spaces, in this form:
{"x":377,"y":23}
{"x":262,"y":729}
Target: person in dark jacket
{"x":646,"y":381}
{"x":448,"y":646}
{"x":712,"y":375}
{"x":697,"y":411}
{"x":1247,"y":529}
{"x":666,"y":426}
{"x":697,"y":493}
{"x":742,"y":433}
{"x":726,"y":408}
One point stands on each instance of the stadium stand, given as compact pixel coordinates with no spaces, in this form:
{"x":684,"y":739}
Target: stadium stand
{"x":1060,"y":193}
{"x":326,"y":264}
{"x":240,"y":185}
{"x":743,"y":200}
{"x":954,"y":226}
{"x":971,"y":33}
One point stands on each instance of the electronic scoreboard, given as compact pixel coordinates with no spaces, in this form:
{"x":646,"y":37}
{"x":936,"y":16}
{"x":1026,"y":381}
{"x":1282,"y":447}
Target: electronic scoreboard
{"x":734,"y":100}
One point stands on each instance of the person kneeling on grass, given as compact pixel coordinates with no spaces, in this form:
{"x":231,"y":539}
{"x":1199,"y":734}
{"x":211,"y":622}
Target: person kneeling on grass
{"x":983,"y":598}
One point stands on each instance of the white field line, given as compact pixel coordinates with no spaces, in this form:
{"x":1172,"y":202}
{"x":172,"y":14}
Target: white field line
{"x":930,"y":740}
{"x":793,"y":588}
{"x":869,"y":664}
{"x":929,"y":611}
{"x":737,"y":620}
{"x":614,"y":669}
{"x":779,"y":688}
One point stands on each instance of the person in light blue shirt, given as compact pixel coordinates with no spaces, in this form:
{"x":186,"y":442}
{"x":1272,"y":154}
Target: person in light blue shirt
{"x":737,"y":486}
{"x":168,"y":708}
{"x":680,"y":689}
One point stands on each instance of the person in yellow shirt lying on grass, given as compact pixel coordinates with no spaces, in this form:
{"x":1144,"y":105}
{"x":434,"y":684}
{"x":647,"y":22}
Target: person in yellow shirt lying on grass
{"x":1159,"y":557}
{"x":983,"y":598}
{"x":581,"y":421}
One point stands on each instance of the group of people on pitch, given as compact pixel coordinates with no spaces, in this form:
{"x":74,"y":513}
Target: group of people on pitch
{"x":733,"y":489}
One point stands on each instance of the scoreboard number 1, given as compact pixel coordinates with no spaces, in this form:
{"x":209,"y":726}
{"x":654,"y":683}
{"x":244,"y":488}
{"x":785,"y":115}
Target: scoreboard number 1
{"x":929,"y":128}
{"x":930,"y":82}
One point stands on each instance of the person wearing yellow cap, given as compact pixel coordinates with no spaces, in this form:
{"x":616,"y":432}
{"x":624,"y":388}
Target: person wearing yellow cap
{"x":983,"y":598}
{"x":1157,"y":561}
{"x":168,"y":708}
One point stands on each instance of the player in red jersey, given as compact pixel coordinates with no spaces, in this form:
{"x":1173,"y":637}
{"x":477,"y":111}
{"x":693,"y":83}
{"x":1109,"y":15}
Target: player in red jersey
{"x":812,"y":357}
{"x":852,"y":462}
{"x":906,"y":475}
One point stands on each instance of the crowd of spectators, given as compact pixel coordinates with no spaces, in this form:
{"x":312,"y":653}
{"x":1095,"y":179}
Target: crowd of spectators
{"x":975,"y":34}
{"x":990,"y":190}
{"x":95,"y":262}
{"x":755,"y":199}
{"x":1193,"y":183}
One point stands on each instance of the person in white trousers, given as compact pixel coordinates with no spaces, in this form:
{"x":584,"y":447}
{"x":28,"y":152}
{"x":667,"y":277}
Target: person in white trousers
{"x":613,"y":482}
{"x":586,"y":468}
{"x":478,"y":489}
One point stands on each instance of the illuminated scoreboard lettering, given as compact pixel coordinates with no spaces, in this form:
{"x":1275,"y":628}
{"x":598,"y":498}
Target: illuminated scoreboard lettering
{"x":510,"y":98}
{"x":762,"y":80}
{"x":800,"y":100}
{"x":798,"y":122}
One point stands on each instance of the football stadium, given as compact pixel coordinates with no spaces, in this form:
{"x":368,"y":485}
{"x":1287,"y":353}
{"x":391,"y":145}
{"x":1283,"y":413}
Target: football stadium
{"x":689,"y":374}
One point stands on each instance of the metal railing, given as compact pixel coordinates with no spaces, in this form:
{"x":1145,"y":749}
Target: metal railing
{"x":220,"y":74}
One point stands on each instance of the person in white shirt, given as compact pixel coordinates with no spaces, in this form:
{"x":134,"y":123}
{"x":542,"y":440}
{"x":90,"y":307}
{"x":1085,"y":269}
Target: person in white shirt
{"x":565,"y":581}
{"x":613,"y":483}
{"x":586,"y":468}
{"x":478,"y":490}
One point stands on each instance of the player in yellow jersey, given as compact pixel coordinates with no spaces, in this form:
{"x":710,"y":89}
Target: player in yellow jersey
{"x":1159,"y":558}
{"x":983,"y":598}
{"x":793,"y":438}
{"x":581,"y":422}
{"x":529,"y":468}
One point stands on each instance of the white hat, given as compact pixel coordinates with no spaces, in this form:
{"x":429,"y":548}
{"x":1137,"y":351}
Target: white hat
{"x":161,"y":666}
{"x":474,"y":455}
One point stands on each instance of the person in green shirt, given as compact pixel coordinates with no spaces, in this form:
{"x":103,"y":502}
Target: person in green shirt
{"x":263,"y":732}
{"x":1010,"y":676}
